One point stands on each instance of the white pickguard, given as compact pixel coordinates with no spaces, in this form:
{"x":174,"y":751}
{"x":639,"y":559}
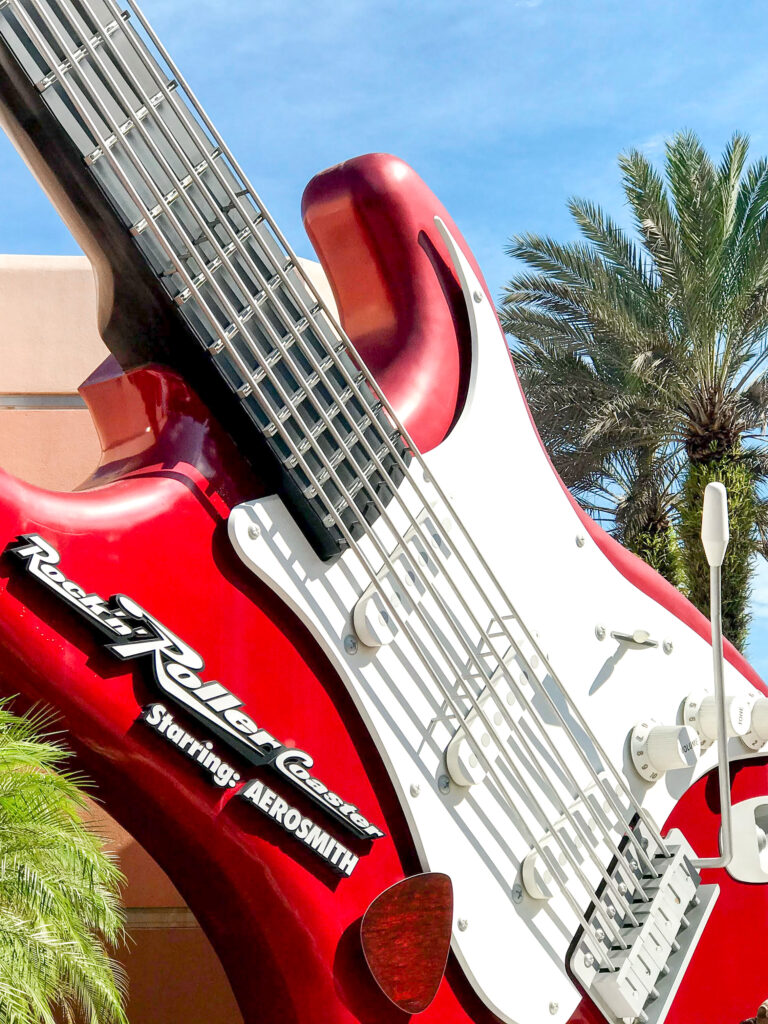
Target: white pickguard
{"x":494,"y":471}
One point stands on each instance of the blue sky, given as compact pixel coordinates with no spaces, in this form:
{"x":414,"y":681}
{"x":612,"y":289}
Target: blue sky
{"x":505,"y":107}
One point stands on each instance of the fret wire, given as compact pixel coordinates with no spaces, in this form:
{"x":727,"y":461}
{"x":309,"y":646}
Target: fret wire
{"x":216,"y":264}
{"x":213,"y":198}
{"x":309,"y":314}
{"x":247,"y":189}
{"x":79,"y":54}
{"x":650,"y":825}
{"x":140,"y":114}
{"x":342,"y":526}
{"x":235,"y":195}
{"x":320,"y":306}
{"x":285,"y":315}
{"x":172,"y":195}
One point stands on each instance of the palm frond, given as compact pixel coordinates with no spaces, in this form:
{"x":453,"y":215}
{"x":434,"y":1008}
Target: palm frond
{"x":59,"y":892}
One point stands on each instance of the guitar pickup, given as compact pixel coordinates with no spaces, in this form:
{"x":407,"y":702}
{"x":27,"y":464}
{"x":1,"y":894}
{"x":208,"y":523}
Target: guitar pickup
{"x":463,"y":764}
{"x":374,"y":623}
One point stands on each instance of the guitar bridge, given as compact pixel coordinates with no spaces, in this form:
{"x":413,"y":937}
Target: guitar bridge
{"x":638,"y":981}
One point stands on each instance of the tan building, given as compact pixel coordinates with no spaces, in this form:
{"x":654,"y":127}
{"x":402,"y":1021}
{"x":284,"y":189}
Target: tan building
{"x":48,"y":345}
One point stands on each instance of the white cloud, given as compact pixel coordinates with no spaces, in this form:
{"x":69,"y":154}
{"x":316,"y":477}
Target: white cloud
{"x":760,"y":590}
{"x":758,"y":647}
{"x":654,"y":143}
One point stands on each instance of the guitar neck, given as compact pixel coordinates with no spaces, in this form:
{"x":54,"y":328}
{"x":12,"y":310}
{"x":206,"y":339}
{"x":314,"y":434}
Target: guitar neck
{"x":131,"y":159}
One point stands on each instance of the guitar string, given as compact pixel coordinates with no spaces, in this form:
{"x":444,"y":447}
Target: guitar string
{"x":222,"y":255}
{"x":247,"y":214}
{"x":288,"y":321}
{"x":263,"y":213}
{"x":563,"y":807}
{"x":618,"y":895}
{"x":545,"y":856}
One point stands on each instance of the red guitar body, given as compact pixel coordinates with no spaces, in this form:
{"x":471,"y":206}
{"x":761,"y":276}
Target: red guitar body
{"x":151,"y":523}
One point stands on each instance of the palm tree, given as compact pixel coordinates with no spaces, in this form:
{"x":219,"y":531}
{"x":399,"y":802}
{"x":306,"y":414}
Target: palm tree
{"x":644,"y":358}
{"x":58,"y":889}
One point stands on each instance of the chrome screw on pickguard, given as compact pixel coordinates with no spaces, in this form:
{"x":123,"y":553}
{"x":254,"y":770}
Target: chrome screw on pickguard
{"x":588,"y":959}
{"x":667,"y":647}
{"x":350,"y":644}
{"x":415,"y":789}
{"x":580,"y":542}
{"x":517,"y":893}
{"x":554,"y":1007}
{"x":600,"y":632}
{"x":254,"y":531}
{"x":477,"y":296}
{"x":444,"y":784}
{"x":462,"y":924}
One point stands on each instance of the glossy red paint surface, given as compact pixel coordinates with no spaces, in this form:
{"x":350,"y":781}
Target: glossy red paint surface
{"x":371,"y":221}
{"x":727,"y":979}
{"x":152,"y":524}
{"x":342,"y":210}
{"x":729,"y":976}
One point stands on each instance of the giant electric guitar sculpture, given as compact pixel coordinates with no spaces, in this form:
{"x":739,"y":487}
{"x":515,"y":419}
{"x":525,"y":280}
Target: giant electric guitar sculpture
{"x":334,"y":663}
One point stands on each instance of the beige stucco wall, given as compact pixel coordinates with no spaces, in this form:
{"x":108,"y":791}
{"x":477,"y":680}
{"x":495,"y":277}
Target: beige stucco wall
{"x":48,"y":324}
{"x":48,"y":345}
{"x":65,"y":445}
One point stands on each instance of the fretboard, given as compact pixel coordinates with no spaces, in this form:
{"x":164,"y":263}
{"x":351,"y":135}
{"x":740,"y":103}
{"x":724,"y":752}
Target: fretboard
{"x":221,"y":260}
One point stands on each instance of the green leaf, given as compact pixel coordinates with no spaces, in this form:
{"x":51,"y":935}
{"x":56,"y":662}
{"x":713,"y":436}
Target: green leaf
{"x":59,"y":891}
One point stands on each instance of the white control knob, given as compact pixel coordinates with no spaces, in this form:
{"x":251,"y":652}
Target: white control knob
{"x":700,"y":712}
{"x":657,"y":749}
{"x":757,"y":734}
